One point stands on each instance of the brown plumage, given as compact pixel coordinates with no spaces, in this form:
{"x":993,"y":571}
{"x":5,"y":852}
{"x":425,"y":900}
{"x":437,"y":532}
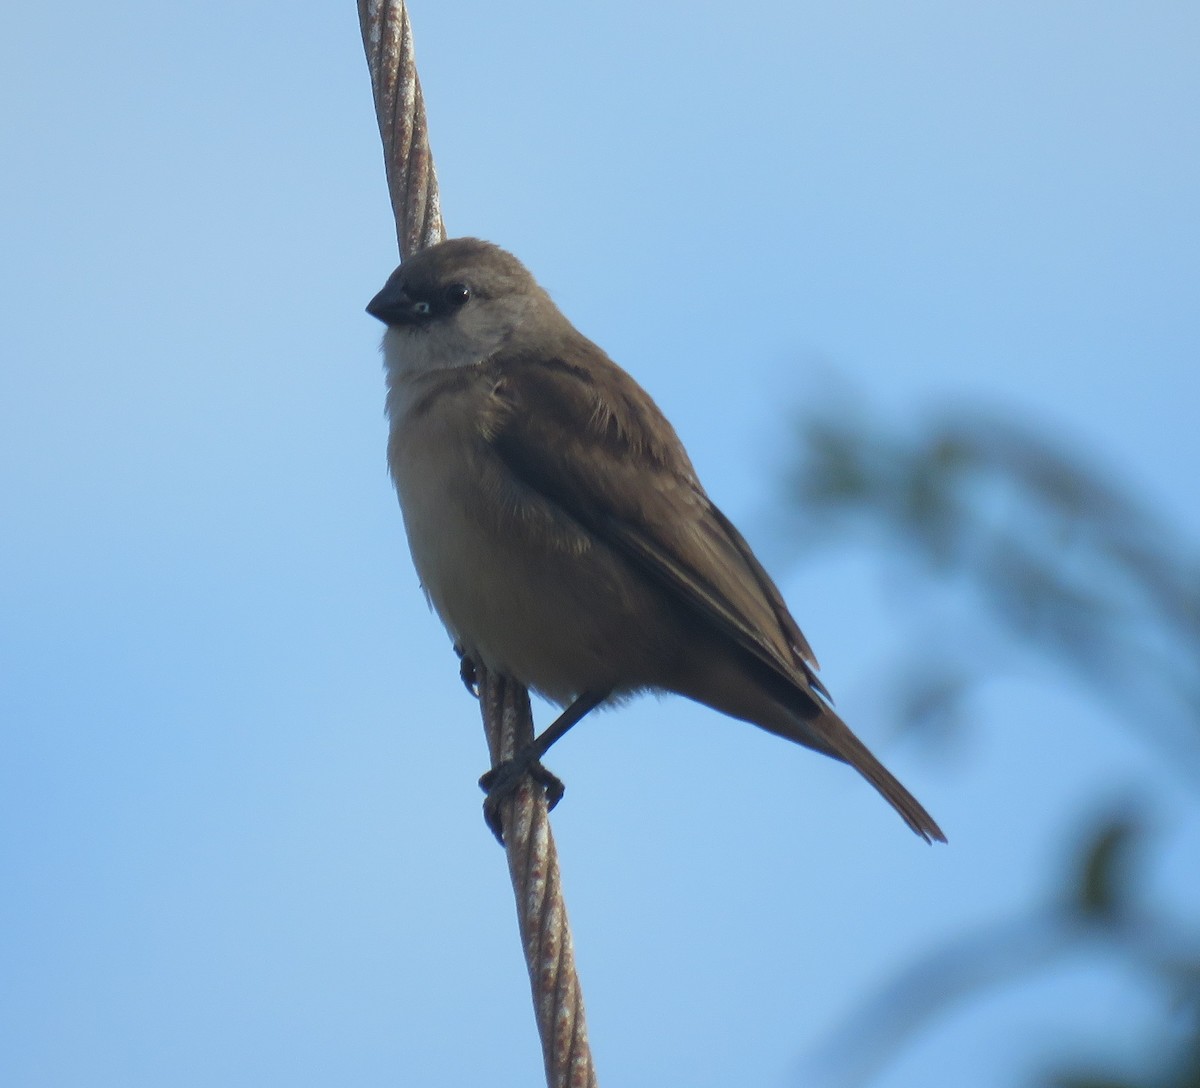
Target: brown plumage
{"x":558,"y":526}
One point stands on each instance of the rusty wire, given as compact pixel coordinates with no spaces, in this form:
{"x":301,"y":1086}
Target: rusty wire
{"x":541,"y":910}
{"x":400,"y":109}
{"x":504,"y":704}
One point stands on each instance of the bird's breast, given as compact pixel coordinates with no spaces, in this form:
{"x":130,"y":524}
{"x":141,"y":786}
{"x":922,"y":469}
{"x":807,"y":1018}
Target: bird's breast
{"x":518,"y":584}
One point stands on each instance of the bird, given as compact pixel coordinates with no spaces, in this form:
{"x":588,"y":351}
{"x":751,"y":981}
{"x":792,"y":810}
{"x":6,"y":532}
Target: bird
{"x":559,"y":529}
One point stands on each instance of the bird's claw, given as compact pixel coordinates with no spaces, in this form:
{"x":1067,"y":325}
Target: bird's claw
{"x":502,"y":780}
{"x":468,"y":671}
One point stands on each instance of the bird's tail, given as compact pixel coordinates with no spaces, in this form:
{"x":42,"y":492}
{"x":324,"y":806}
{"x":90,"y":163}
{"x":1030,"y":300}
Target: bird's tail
{"x":791,"y":706}
{"x":860,"y":757}
{"x":820,"y":728}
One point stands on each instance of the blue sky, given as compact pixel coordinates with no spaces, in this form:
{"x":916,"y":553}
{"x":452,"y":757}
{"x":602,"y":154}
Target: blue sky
{"x":239,"y":826}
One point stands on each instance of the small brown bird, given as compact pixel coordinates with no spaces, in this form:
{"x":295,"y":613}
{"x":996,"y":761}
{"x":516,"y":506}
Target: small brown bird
{"x":558,"y":527}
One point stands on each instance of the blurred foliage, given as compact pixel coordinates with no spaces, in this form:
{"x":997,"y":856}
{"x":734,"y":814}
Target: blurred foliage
{"x":1076,"y":572}
{"x":1070,"y":573}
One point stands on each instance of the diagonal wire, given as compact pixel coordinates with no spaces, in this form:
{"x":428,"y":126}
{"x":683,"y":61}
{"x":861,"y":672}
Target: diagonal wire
{"x":400,"y":109}
{"x":537,"y":885}
{"x":507,"y":718}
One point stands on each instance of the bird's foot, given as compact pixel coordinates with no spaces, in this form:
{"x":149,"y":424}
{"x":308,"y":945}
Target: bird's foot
{"x":467,"y":670}
{"x":502,"y":780}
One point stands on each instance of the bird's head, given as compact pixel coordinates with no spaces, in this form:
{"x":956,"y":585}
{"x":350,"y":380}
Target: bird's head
{"x":454,"y":304}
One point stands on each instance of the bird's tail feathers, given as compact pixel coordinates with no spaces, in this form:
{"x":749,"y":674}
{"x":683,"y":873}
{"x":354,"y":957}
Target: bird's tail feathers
{"x":827,"y":733}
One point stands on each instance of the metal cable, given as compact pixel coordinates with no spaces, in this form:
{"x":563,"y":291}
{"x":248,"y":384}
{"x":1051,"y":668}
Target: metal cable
{"x":507,"y":719}
{"x":400,"y":109}
{"x":541,"y":910}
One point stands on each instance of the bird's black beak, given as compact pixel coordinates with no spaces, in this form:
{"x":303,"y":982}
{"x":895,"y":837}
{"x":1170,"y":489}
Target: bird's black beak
{"x":393,"y":306}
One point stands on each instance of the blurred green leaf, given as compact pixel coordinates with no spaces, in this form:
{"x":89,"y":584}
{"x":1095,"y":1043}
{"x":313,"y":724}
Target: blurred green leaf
{"x":1104,"y":885}
{"x":1072,"y":573}
{"x":1075,"y":570}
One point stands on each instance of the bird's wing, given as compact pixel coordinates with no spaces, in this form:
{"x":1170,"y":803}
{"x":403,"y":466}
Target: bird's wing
{"x":614,"y":465}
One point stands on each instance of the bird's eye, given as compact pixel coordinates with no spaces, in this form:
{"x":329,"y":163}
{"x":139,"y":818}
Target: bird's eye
{"x":457,"y":294}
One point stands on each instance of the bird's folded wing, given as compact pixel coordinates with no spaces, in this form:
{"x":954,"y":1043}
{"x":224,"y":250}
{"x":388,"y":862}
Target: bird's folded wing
{"x":611,"y":462}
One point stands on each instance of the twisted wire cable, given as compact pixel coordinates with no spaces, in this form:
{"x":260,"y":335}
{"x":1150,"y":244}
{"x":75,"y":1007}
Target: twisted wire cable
{"x":537,"y":886}
{"x":504,"y":704}
{"x":400,"y":109}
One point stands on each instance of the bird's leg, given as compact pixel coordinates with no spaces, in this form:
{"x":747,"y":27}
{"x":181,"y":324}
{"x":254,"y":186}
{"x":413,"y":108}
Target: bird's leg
{"x":502,"y":779}
{"x":467,"y":671}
